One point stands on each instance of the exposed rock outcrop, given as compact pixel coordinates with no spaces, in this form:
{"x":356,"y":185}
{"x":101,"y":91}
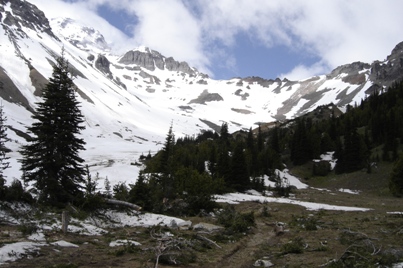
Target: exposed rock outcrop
{"x":10,"y":93}
{"x":385,"y":73}
{"x":27,"y":15}
{"x":151,"y":60}
{"x":205,"y":96}
{"x":102,"y":64}
{"x":174,"y":65}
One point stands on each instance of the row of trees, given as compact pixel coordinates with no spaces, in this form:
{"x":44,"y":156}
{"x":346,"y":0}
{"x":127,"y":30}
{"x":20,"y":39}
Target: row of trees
{"x":238,"y":162}
{"x":194,"y":168}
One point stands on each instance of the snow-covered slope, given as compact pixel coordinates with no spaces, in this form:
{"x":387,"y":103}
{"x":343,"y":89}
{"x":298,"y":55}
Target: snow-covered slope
{"x":130,"y":100}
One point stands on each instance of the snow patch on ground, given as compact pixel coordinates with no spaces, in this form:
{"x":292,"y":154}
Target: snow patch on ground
{"x":395,"y":213}
{"x":123,"y":242}
{"x":64,"y":244}
{"x":349,"y":191}
{"x":38,"y":236}
{"x":235,"y":198}
{"x":122,"y":219}
{"x":19,"y":250}
{"x":293,"y":181}
{"x":329,"y":158}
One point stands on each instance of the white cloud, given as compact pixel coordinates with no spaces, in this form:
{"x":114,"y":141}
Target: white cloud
{"x":302,"y":72}
{"x":197,"y":31}
{"x":337,"y":31}
{"x":82,"y":12}
{"x":169,"y":27}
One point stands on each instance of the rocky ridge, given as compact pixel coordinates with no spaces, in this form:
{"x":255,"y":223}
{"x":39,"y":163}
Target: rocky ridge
{"x":131,"y":99}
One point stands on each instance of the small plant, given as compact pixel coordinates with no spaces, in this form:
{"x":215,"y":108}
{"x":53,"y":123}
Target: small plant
{"x":27,"y":228}
{"x":306,"y":223}
{"x":295,"y":246}
{"x":235,"y":222}
{"x":282,"y":186}
{"x":126,"y":249}
{"x":265,"y":212}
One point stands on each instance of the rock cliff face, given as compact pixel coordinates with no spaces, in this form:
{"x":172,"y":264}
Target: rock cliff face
{"x":102,"y":64}
{"x":151,"y":59}
{"x":385,"y":73}
{"x":25,"y":14}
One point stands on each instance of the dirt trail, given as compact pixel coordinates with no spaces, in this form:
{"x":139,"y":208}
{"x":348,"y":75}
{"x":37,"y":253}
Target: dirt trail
{"x":244,"y":252}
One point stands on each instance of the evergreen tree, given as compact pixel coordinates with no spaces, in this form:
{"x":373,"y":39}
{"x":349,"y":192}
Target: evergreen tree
{"x":4,"y":163}
{"x":396,"y":178}
{"x":274,"y":141}
{"x":300,"y":146}
{"x":259,"y":140}
{"x":224,"y":136}
{"x":140,"y":193}
{"x":251,"y":154}
{"x":166,"y":164}
{"x":239,"y":177}
{"x":51,"y":159}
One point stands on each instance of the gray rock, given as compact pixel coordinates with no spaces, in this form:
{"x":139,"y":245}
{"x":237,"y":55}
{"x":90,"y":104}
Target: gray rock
{"x":263,"y":263}
{"x":27,"y":15}
{"x":151,"y":59}
{"x":10,"y":92}
{"x":205,"y":96}
{"x":174,"y":65}
{"x":139,"y":58}
{"x":102,"y":64}
{"x":173,"y":225}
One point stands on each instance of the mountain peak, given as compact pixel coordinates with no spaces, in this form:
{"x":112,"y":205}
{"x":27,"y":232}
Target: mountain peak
{"x":83,"y":37}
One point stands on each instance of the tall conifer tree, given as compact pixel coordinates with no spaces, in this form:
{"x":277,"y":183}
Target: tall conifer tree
{"x":50,"y":159}
{"x":4,"y":163}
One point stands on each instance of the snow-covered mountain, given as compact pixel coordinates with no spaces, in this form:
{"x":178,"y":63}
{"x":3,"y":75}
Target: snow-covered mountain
{"x":130,"y":100}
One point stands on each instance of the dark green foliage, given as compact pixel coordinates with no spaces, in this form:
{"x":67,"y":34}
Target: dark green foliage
{"x":196,"y":190}
{"x":295,"y":246}
{"x":396,"y":178}
{"x":166,"y":164}
{"x":4,"y":163}
{"x":321,"y":168}
{"x":238,"y":176}
{"x":140,"y":193}
{"x":282,"y":186}
{"x":90,"y":186}
{"x":27,"y":228}
{"x":239,"y":161}
{"x":121,"y":192}
{"x":235,"y":222}
{"x":300,"y":147}
{"x":306,"y":223}
{"x":354,"y":154}
{"x":15,"y":192}
{"x":51,"y":159}
{"x":92,"y":198}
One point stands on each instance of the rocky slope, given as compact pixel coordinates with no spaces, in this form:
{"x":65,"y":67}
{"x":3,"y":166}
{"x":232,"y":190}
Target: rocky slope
{"x":130,"y":100}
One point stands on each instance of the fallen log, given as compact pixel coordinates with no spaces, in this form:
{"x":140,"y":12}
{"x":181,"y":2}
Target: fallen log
{"x":207,"y":240}
{"x":122,"y":203}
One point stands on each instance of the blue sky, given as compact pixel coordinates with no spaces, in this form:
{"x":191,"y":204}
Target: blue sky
{"x":252,"y":57}
{"x":239,"y":38}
